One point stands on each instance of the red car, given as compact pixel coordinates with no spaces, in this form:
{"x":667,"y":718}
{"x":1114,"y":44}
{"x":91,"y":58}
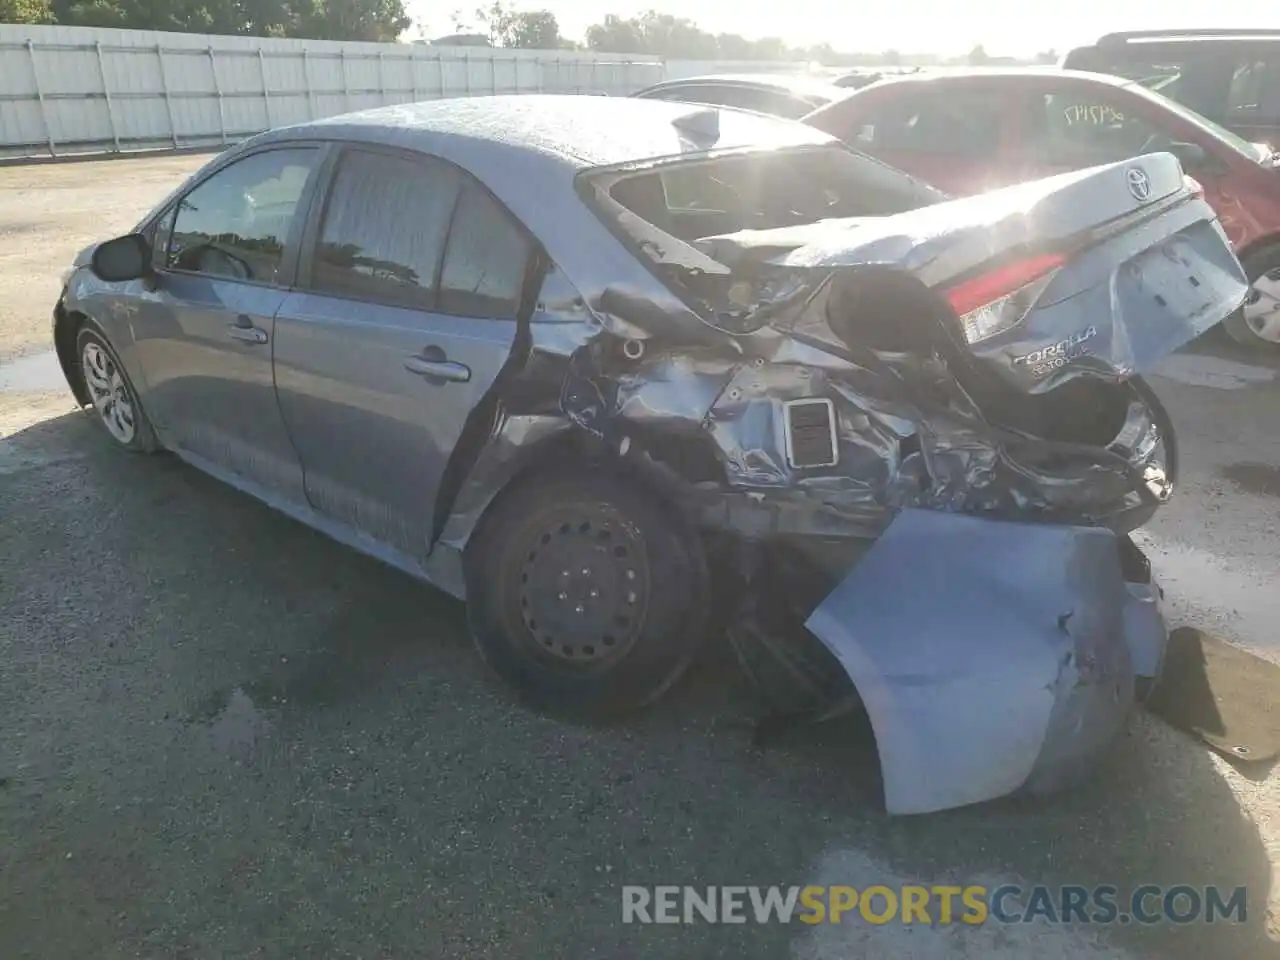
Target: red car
{"x":971,"y":131}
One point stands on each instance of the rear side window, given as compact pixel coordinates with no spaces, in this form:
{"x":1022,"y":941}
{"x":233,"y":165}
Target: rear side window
{"x":235,"y":224}
{"x":951,"y":123}
{"x":1255,"y":92}
{"x":485,"y":260}
{"x":383,"y":233}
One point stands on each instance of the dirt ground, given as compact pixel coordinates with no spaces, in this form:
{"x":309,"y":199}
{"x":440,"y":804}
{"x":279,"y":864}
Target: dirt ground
{"x":51,"y":211}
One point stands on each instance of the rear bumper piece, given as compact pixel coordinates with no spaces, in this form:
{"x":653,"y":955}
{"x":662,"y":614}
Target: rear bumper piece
{"x":992,"y":657}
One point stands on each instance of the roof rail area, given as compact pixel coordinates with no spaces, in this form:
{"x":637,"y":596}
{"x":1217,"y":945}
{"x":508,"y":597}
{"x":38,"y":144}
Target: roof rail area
{"x":1209,"y":33}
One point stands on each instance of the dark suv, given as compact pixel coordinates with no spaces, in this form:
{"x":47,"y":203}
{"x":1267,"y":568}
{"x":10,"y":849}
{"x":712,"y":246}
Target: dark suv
{"x":1230,"y":76}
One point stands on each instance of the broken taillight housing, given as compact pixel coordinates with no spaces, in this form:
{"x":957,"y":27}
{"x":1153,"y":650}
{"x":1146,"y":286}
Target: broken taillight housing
{"x":995,"y":301}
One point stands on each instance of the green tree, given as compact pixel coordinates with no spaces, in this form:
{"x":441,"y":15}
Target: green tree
{"x":26,"y":11}
{"x":731,"y":46}
{"x":528,"y":29}
{"x":353,"y":19}
{"x":978,"y":55}
{"x":664,"y":35}
{"x":319,"y":19}
{"x":617,"y":35}
{"x":655,"y":33}
{"x":771,"y":48}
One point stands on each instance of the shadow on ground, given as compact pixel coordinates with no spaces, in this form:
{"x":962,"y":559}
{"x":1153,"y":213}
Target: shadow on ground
{"x":223,"y":735}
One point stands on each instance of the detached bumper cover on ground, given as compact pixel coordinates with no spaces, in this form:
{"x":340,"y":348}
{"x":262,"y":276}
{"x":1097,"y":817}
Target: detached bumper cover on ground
{"x":991,"y":656}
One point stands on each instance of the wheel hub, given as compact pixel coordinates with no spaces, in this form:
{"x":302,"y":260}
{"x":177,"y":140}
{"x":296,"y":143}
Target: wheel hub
{"x":584,"y":586}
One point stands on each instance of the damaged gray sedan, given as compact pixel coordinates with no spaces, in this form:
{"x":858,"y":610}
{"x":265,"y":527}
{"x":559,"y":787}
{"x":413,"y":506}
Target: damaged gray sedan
{"x":626,"y":374}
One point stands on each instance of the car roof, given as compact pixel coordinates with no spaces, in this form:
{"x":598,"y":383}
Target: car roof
{"x":1199,"y":36}
{"x":971,"y":75}
{"x":528,"y":150}
{"x":567,"y":131}
{"x":805,"y":86}
{"x":974,"y":73}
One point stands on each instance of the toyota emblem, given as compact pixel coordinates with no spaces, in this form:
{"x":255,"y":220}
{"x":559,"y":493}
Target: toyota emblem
{"x":1139,"y":183}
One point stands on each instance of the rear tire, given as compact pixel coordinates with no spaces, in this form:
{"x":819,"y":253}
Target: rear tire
{"x":115,"y":402}
{"x":585,"y":594}
{"x":1257,"y":324}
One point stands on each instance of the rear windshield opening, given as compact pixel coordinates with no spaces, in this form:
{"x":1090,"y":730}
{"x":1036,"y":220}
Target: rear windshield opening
{"x":764,"y":190}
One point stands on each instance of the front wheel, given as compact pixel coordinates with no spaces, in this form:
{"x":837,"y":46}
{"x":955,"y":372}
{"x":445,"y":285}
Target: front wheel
{"x":585,"y":594}
{"x":115,"y":402}
{"x":1257,"y":323}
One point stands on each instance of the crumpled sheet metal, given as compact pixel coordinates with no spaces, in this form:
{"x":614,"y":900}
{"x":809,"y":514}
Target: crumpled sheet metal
{"x":991,"y":656}
{"x":893,"y":454}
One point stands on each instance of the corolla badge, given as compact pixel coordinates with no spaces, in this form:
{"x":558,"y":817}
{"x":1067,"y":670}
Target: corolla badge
{"x":1044,"y":361}
{"x":1139,"y":183}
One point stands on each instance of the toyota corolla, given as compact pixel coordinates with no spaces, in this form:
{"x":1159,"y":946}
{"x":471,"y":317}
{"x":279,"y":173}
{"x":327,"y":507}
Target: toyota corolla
{"x":623,"y":374}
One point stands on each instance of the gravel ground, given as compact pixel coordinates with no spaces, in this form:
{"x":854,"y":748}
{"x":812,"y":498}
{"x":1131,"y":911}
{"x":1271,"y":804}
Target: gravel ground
{"x":222,"y":735}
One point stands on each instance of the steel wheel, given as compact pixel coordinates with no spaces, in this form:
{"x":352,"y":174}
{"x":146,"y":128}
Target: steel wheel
{"x":584,"y":587}
{"x":586,"y":593}
{"x":110,"y":393}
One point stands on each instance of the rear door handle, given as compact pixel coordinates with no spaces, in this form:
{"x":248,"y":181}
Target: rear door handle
{"x":441,"y":369}
{"x":244,"y":330}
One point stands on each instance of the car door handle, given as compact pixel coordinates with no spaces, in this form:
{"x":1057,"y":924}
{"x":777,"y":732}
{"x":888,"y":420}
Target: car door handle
{"x":244,"y":330}
{"x":434,"y":369}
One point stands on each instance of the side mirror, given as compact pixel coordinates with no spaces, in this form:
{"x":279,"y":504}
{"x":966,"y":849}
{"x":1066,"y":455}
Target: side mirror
{"x":124,"y":258}
{"x":1192,"y":156}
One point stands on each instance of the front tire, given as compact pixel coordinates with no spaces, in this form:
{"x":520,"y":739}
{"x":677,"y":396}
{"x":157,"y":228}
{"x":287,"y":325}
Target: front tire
{"x":585,"y":594}
{"x":115,"y":402}
{"x":1257,"y":324}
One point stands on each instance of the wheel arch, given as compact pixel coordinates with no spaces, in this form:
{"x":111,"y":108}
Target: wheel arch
{"x":66,"y":328}
{"x":1258,"y":245}
{"x":665,"y":461}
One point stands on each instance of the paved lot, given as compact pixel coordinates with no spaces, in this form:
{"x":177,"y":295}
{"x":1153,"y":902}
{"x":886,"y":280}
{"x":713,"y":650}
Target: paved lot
{"x":222,"y":735}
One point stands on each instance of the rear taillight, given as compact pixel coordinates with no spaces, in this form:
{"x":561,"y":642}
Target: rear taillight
{"x":995,"y":301}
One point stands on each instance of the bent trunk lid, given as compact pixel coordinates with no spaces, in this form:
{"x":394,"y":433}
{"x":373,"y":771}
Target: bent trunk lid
{"x":1146,"y":266}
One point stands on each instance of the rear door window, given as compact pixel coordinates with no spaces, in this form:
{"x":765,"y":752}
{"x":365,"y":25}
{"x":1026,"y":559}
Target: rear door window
{"x":383,"y":232}
{"x":418,"y":233}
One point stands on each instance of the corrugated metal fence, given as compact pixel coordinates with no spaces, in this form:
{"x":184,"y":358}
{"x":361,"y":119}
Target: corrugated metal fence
{"x":86,"y":90}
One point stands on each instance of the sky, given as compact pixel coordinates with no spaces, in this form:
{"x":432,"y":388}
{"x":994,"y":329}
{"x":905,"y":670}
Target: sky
{"x":916,"y":26}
